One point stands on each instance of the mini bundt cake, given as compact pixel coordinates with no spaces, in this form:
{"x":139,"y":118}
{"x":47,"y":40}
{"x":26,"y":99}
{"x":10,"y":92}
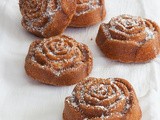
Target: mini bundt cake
{"x":102,"y":99}
{"x":129,"y":39}
{"x":58,"y":60}
{"x":46,"y":18}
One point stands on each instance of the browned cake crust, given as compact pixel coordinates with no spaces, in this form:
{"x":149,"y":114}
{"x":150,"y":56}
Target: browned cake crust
{"x":89,"y":12}
{"x":59,"y":60}
{"x":129,"y":39}
{"x":46,"y":18}
{"x":102,"y":99}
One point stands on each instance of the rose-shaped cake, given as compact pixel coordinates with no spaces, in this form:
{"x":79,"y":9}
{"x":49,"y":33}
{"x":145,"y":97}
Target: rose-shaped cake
{"x":88,"y":12}
{"x":46,"y":18}
{"x":58,"y":60}
{"x":129,"y":39}
{"x":102,"y":99}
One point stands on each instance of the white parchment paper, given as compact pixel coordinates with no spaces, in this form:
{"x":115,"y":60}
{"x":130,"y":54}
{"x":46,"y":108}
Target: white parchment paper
{"x":21,"y":98}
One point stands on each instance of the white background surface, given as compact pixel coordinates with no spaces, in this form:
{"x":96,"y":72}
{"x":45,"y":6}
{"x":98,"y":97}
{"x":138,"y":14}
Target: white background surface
{"x":24,"y":99}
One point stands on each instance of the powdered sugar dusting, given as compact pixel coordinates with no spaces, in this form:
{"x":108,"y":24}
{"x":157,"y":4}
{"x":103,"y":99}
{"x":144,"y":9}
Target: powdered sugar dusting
{"x":92,"y":5}
{"x":49,"y":14}
{"x":126,"y":27}
{"x":150,"y":33}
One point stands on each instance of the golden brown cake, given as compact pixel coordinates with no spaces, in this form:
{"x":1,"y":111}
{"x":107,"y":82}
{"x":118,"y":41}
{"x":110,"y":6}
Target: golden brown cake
{"x":46,"y":18}
{"x":58,"y":60}
{"x":102,"y":99}
{"x":88,"y":12}
{"x":129,"y":39}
